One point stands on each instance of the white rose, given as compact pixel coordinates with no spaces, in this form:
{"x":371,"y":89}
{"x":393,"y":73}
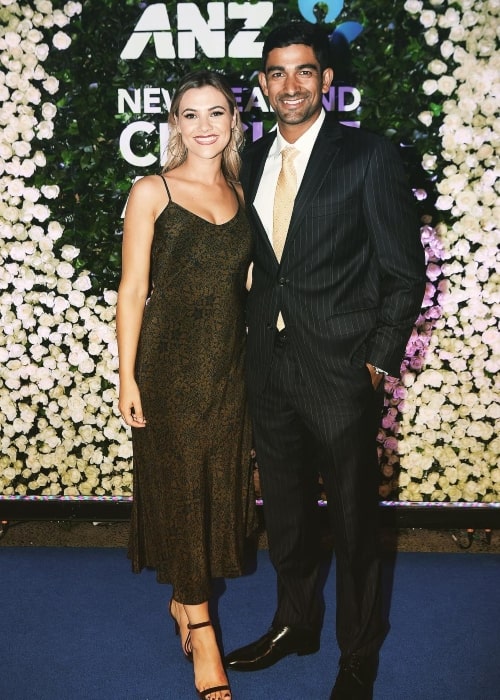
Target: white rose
{"x":41,"y":51}
{"x":5,"y":151}
{"x":455,"y":184}
{"x":431,"y":36}
{"x":49,"y":111}
{"x":469,"y":18}
{"x":446,"y":84}
{"x":451,"y":18}
{"x":11,"y":39}
{"x":429,"y":86}
{"x":465,"y":200}
{"x":16,"y":188}
{"x":55,"y":230}
{"x":428,"y":18}
{"x":21,"y":148}
{"x":454,"y":493}
{"x":444,"y":202}
{"x":69,"y":252}
{"x":425,"y":118}
{"x":76,"y":298}
{"x":60,"y":19}
{"x":50,"y":191}
{"x":486,"y":47}
{"x":44,"y":7}
{"x":51,"y":85}
{"x":110,"y":297}
{"x":65,"y":270}
{"x":87,"y":366}
{"x":469,"y":491}
{"x":414,"y":7}
{"x":437,"y":67}
{"x":39,"y":159}
{"x":31,"y":194}
{"x":72,"y":315}
{"x":45,"y":130}
{"x":39,"y":72}
{"x":447,"y":48}
{"x":27,"y":168}
{"x":489,"y":106}
{"x":83,"y":283}
{"x":61,"y":41}
{"x":457,"y":33}
{"x":73,"y":8}
{"x":429,"y":161}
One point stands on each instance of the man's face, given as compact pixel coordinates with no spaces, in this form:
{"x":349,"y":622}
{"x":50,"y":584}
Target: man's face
{"x":294,"y":84}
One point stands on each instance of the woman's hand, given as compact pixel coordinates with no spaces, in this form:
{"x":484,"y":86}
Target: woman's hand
{"x":130,"y":407}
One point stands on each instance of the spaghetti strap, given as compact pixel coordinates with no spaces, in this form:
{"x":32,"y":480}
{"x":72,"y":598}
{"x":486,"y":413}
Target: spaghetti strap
{"x":236,"y":194}
{"x":166,"y":186}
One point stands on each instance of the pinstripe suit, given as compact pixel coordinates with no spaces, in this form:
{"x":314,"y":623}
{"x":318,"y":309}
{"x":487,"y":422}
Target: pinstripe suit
{"x":349,"y":286}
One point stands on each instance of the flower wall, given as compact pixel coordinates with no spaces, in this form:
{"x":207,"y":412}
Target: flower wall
{"x":60,"y":432}
{"x":450,"y":446}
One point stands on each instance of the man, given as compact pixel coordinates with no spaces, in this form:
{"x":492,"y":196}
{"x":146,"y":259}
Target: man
{"x":330,"y":311}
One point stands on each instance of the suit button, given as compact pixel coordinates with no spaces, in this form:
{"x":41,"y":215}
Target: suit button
{"x":282,"y":281}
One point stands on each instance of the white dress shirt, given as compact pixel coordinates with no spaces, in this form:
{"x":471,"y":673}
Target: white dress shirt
{"x":264,"y":199}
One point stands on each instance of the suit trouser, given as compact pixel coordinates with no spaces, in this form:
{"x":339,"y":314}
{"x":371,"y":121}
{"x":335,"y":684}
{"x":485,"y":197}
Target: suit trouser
{"x":328,"y":426}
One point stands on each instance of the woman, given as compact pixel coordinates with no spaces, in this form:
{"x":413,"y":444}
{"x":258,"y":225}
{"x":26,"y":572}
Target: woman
{"x":181,"y":341}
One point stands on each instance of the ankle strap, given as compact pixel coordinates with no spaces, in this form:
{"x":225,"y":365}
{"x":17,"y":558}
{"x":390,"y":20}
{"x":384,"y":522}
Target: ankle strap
{"x":197,"y":625}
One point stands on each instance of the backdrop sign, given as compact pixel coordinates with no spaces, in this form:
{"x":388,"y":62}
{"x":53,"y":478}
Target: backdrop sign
{"x":85,"y":89}
{"x":195,"y":32}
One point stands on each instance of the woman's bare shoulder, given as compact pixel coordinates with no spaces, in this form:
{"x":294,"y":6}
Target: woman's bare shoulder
{"x":149,"y":185}
{"x":149,"y":193}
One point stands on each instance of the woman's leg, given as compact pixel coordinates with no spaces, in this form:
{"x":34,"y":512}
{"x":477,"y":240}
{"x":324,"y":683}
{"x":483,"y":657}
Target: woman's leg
{"x":208,"y":668}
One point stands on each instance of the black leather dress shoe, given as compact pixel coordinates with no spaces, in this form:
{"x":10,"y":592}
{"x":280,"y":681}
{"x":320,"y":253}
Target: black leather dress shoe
{"x":355,"y":678}
{"x":273,"y":646}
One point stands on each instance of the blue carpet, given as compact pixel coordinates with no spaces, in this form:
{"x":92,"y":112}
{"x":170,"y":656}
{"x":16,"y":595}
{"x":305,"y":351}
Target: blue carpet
{"x":76,"y":624}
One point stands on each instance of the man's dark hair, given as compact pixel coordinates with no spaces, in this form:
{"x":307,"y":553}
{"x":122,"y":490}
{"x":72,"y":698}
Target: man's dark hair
{"x":298,"y":32}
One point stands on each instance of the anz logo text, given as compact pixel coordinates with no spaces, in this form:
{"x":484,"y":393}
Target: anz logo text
{"x":210,"y":34}
{"x":192,"y":28}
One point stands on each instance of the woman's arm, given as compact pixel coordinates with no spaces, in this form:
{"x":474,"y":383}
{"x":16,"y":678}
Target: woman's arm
{"x":138,"y":231}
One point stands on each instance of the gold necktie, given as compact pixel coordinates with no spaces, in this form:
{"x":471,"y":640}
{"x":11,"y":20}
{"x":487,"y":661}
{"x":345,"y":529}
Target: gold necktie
{"x":284,"y":197}
{"x":286,"y":189}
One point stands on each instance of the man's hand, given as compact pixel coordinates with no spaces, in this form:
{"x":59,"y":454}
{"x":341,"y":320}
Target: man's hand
{"x":376,"y":376}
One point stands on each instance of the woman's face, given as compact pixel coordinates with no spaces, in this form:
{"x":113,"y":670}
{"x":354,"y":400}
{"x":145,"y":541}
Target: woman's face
{"x":205,"y":121}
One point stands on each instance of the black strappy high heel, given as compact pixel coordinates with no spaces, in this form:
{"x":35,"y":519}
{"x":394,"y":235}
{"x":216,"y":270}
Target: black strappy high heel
{"x":187,"y":648}
{"x":204,"y":694}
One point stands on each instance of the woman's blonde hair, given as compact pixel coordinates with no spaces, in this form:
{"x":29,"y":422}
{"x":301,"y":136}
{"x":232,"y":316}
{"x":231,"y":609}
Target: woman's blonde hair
{"x":177,"y":151}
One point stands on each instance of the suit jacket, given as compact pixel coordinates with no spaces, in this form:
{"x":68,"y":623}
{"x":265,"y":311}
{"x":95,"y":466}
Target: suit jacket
{"x":352,"y":275}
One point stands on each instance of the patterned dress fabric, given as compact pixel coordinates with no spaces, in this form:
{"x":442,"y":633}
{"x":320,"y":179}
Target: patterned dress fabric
{"x":193,"y":483}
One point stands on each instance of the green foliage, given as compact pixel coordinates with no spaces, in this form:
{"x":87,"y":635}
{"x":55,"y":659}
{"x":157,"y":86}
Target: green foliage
{"x":84,"y":156}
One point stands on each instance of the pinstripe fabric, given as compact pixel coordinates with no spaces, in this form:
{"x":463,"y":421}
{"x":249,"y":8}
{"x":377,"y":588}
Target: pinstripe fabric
{"x":351,"y":279}
{"x":349,"y":284}
{"x":286,"y":188}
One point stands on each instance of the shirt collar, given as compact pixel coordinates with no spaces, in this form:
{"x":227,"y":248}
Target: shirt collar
{"x":305,"y":142}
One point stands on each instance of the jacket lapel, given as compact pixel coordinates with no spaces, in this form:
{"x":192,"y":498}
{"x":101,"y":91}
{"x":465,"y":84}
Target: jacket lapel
{"x":322,"y":158}
{"x":255,"y":173}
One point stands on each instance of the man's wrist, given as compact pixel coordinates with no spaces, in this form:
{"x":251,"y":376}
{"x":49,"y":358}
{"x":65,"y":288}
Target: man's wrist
{"x":377,"y":370}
